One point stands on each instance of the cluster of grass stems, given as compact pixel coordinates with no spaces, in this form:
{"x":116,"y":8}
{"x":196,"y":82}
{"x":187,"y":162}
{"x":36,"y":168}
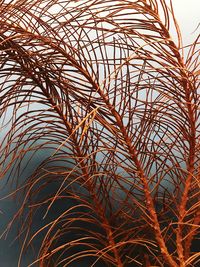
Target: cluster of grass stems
{"x":109,"y":90}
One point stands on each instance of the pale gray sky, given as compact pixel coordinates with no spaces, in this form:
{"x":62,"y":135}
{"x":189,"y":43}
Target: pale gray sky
{"x":188,"y":16}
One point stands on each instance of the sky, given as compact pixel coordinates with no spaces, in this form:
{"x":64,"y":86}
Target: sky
{"x":188,"y":16}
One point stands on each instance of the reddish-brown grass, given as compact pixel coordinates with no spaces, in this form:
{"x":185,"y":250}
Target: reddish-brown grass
{"x":114,"y":96}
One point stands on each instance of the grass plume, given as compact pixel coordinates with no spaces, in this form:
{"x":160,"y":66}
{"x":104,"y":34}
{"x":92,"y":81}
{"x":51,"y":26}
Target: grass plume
{"x":113,"y":95}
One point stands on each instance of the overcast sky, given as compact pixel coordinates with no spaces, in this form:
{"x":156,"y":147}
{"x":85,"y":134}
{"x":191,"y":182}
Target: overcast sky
{"x":188,"y":16}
